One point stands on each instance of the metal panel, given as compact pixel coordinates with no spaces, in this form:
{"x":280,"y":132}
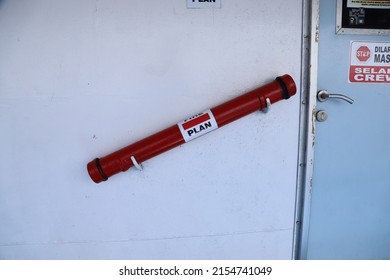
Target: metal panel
{"x":307,"y":127}
{"x":354,"y":31}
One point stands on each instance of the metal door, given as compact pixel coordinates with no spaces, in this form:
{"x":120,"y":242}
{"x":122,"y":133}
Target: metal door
{"x":349,"y":214}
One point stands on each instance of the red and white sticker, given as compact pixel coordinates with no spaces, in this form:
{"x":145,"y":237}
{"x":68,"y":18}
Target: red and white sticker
{"x":369,"y":62}
{"x":197,"y":125}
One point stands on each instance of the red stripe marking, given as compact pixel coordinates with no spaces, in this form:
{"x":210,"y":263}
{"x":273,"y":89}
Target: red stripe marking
{"x":196,"y":121}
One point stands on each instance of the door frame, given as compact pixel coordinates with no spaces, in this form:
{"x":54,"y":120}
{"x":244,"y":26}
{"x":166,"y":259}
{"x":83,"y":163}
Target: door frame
{"x":307,"y":122}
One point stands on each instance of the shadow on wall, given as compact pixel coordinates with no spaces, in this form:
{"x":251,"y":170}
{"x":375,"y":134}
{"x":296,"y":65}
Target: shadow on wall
{"x":3,"y":3}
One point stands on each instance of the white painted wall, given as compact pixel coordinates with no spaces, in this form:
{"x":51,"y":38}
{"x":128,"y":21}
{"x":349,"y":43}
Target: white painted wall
{"x":80,"y":79}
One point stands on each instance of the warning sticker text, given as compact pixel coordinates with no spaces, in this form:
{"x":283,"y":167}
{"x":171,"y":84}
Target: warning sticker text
{"x":369,"y":62}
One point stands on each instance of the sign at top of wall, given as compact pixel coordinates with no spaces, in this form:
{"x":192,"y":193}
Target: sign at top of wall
{"x":369,"y":62}
{"x":203,"y":4}
{"x":374,"y":4}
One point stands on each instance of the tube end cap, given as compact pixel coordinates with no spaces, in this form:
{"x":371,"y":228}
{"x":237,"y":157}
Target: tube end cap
{"x":94,"y":171}
{"x":288,"y":85}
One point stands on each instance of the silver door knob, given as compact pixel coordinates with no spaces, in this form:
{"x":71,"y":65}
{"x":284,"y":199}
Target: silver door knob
{"x":323,"y":95}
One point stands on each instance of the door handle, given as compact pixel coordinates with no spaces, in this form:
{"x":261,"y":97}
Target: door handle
{"x":323,"y":95}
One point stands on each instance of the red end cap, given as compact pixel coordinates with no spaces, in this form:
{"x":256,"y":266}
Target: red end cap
{"x":288,"y":85}
{"x":95,"y":171}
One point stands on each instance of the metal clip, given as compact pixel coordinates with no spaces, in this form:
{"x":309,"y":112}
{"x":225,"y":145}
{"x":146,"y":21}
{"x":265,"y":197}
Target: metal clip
{"x":136,"y":164}
{"x":266,"y":109}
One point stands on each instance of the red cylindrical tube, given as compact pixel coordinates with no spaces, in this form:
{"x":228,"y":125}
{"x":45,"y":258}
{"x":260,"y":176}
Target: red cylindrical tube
{"x":101,"y":169}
